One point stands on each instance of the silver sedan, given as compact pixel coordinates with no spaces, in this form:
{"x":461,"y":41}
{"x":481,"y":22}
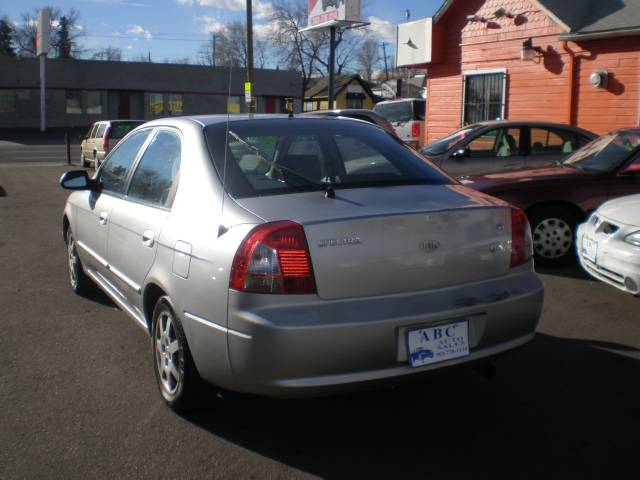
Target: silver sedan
{"x":297,"y":256}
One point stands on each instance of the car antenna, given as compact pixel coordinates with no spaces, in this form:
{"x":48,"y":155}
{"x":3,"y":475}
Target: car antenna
{"x":222,"y":229}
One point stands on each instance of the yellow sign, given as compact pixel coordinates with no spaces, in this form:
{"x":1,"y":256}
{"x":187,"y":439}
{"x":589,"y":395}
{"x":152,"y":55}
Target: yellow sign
{"x":247,"y":86}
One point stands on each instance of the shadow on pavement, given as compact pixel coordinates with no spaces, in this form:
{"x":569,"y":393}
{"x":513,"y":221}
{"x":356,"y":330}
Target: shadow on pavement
{"x":557,"y":408}
{"x":98,"y":296}
{"x":2,"y":192}
{"x":573,"y":270}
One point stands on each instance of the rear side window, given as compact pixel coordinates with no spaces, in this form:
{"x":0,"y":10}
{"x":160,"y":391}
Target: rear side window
{"x":113,"y":175}
{"x":156,"y":175}
{"x":554,"y":142}
{"x":120,"y":129}
{"x":100,"y":131}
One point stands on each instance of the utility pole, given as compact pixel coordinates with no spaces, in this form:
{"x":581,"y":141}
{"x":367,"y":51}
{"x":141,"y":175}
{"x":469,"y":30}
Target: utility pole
{"x":386,"y":68}
{"x":213,"y":49}
{"x":248,"y":86}
{"x":43,"y":34}
{"x":332,"y":67}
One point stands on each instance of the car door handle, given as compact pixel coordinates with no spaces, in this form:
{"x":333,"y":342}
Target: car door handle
{"x":148,"y":238}
{"x":104,"y":218}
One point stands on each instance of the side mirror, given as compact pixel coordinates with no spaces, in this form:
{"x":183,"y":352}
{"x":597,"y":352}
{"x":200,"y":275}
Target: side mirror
{"x":76,"y":180}
{"x":460,"y":153}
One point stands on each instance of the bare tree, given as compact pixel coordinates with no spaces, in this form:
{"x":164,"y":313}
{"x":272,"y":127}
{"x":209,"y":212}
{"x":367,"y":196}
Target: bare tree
{"x":109,"y":54}
{"x":368,"y":58}
{"x":308,"y":51}
{"x":66,"y":32}
{"x":228,"y":47}
{"x":6,"y":37}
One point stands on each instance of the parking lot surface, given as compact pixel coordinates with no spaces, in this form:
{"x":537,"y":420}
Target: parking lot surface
{"x":79,"y":398}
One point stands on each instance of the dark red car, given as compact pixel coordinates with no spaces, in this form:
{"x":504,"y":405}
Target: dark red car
{"x":557,"y":198}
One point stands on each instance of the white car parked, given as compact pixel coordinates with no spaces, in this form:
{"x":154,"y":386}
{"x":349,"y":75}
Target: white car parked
{"x":609,"y":244}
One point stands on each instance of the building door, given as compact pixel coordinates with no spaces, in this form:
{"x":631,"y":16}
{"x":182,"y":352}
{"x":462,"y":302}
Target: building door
{"x":270,"y":105}
{"x":124,"y":105}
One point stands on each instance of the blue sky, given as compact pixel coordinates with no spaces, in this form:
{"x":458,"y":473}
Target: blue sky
{"x":176,"y":28}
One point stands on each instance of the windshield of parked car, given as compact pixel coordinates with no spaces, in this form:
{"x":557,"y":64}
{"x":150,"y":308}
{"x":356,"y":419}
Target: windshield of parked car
{"x":399,"y":112}
{"x":606,"y":153}
{"x":444,"y":144}
{"x":278,"y":156}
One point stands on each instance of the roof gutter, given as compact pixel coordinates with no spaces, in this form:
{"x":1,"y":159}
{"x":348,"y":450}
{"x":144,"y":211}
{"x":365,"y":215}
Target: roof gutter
{"x":576,"y":37}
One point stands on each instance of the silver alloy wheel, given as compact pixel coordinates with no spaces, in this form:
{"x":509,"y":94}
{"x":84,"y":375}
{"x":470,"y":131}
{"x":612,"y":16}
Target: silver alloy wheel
{"x":169,"y":357}
{"x":72,"y":262}
{"x":552,"y":238}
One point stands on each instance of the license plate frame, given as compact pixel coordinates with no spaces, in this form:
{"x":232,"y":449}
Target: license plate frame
{"x":437,"y":343}
{"x":589,"y":249}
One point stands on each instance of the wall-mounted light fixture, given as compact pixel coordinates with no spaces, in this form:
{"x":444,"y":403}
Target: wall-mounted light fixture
{"x":599,"y":79}
{"x":475,"y":18}
{"x":529,"y":52}
{"x":501,"y":12}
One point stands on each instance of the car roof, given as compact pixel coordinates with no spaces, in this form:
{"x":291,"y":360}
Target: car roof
{"x":206,"y":120}
{"x":529,"y":123}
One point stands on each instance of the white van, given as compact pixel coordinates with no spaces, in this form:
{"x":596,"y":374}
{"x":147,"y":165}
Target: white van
{"x":407,"y":117}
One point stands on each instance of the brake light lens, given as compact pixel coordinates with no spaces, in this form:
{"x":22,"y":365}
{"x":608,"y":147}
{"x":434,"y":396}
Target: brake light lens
{"x":105,"y":139}
{"x":415,"y":129}
{"x":274,"y":258}
{"x":521,"y":245}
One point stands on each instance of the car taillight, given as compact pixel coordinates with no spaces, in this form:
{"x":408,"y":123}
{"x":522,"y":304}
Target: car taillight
{"x":521,"y":249}
{"x":105,"y":139}
{"x":415,"y":130}
{"x":273,"y":258}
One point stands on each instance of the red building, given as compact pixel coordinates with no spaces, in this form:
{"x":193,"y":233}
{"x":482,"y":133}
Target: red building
{"x":576,"y":62}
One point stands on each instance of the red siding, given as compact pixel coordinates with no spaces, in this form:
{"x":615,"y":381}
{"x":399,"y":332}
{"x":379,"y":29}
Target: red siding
{"x":535,"y":90}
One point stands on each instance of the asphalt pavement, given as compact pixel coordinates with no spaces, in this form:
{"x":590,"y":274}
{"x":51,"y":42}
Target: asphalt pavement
{"x":79,"y":399}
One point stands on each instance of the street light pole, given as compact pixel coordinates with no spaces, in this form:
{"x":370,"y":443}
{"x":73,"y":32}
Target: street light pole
{"x":248,"y":87}
{"x":332,"y":67}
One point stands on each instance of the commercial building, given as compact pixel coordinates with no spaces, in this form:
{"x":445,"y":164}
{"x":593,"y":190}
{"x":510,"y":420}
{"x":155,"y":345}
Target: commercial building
{"x":80,"y":92}
{"x":574,"y":62}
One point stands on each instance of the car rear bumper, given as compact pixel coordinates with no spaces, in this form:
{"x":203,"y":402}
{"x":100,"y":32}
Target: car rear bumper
{"x":304,"y":346}
{"x":617,"y":264}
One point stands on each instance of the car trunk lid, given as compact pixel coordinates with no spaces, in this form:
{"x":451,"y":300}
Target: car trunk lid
{"x":381,"y":241}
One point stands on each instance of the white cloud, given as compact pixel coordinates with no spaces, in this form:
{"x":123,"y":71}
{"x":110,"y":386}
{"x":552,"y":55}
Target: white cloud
{"x":129,"y":47}
{"x":262,"y":30}
{"x":210,"y":24}
{"x":139,"y":30}
{"x":383,"y":29}
{"x":260,"y":9}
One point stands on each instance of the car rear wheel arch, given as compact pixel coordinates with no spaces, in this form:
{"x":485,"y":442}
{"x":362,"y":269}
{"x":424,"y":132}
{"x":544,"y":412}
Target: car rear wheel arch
{"x":65,"y":227}
{"x":574,"y":209}
{"x":152,"y":293}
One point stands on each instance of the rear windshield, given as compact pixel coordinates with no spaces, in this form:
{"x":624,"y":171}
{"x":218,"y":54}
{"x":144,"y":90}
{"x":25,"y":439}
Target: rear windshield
{"x":120,"y":129}
{"x":399,"y":112}
{"x":276,"y":156}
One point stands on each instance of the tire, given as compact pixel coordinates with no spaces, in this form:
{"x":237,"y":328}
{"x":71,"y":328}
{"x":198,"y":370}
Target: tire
{"x":553,"y":234}
{"x":78,"y":280}
{"x":176,"y":374}
{"x":83,"y":161}
{"x":96,"y":162}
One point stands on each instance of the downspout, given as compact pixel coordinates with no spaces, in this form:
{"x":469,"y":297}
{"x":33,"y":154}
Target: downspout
{"x":571,"y":86}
